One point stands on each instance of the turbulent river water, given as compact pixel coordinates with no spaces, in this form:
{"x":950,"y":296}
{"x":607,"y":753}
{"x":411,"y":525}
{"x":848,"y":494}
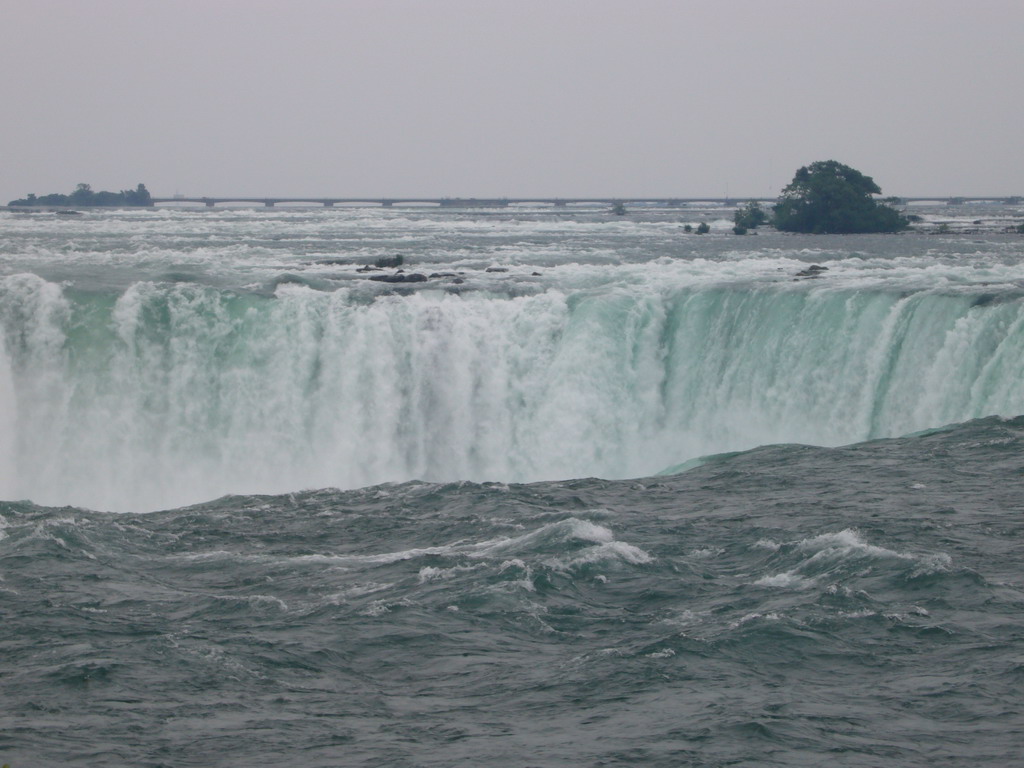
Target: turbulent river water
{"x":263,"y":507}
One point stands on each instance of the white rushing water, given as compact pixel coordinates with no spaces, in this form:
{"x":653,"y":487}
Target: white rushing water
{"x":160,"y":392}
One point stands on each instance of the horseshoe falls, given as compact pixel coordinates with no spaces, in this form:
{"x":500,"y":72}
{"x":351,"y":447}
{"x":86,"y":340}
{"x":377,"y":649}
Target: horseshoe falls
{"x":158,"y":392}
{"x":563,"y":488}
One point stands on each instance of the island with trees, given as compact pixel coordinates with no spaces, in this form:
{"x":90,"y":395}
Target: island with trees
{"x":828,"y":197}
{"x":85,"y":197}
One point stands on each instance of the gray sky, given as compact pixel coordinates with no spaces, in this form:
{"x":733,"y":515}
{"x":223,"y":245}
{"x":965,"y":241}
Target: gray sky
{"x":508,"y":97}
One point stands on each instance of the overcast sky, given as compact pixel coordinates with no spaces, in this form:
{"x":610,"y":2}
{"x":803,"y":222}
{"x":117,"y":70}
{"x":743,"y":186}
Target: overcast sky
{"x":509,"y":97}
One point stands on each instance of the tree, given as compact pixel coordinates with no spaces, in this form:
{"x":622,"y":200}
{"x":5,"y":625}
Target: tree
{"x":139,"y":196}
{"x":83,"y":195}
{"x":828,"y":197}
{"x":750,"y":216}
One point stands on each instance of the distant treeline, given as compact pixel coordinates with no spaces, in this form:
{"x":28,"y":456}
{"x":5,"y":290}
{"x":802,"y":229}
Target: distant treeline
{"x":84,"y":196}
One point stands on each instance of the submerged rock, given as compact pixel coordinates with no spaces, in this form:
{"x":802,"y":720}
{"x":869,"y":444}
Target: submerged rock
{"x":401,"y":277}
{"x":814,"y":270}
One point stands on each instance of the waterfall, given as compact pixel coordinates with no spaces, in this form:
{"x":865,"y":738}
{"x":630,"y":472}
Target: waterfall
{"x":167,"y":394}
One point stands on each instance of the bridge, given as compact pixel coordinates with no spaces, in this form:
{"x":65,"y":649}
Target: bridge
{"x":557,"y":202}
{"x":451,"y":202}
{"x":1012,"y":200}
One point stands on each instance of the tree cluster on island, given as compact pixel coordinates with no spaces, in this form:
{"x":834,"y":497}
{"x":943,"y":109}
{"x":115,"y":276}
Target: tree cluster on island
{"x":84,"y":197}
{"x":749,"y":216}
{"x":825,"y":197}
{"x":828,"y":197}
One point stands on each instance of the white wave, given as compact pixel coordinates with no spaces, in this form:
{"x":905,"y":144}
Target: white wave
{"x":525,"y":547}
{"x":525,"y":581}
{"x":706,"y":553}
{"x":382,"y":607}
{"x":561,"y":531}
{"x":382,"y":558}
{"x":356,"y":590}
{"x":609,"y":551}
{"x":256,"y":600}
{"x":665,"y":653}
{"x":845,"y":542}
{"x":755,"y":616}
{"x":788,"y":579}
{"x":829,"y":550}
{"x":687,"y":619}
{"x":851,"y":543}
{"x":214,"y":554}
{"x":481,"y":553}
{"x":939,"y":562}
{"x":431,"y":573}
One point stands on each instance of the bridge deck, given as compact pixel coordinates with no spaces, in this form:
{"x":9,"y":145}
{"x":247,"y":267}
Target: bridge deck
{"x":468,"y":202}
{"x":482,"y":202}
